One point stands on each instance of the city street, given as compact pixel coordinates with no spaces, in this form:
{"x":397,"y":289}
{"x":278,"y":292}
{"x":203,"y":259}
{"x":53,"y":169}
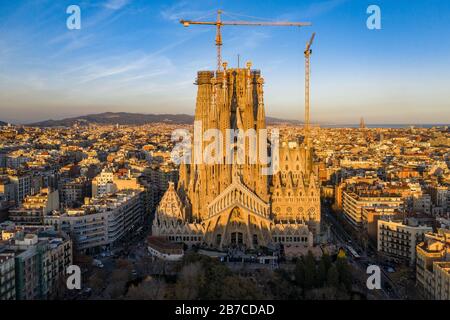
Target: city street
{"x":342,"y":238}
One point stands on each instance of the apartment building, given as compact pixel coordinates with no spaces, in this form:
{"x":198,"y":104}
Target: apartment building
{"x":440,"y":197}
{"x":40,"y":262}
{"x":7,"y":277}
{"x":353,"y":204}
{"x":156,"y":180}
{"x":34,"y":208}
{"x":16,"y":160}
{"x":22,"y":186}
{"x":103,"y":222}
{"x":373,"y":214}
{"x":433,"y":265}
{"x":422,"y":203}
{"x":7,"y":189}
{"x":108,"y":182}
{"x":397,"y":239}
{"x":73,"y":192}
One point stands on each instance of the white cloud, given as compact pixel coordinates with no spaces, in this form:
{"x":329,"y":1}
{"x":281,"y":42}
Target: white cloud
{"x":180,"y":11}
{"x":116,"y":4}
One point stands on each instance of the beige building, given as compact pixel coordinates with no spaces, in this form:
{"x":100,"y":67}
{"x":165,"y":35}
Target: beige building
{"x":433,"y":265}
{"x":34,"y":208}
{"x":103,"y":221}
{"x":397,"y":239}
{"x":373,"y":214}
{"x":230,"y":203}
{"x":107,"y":183}
{"x":353,"y":205}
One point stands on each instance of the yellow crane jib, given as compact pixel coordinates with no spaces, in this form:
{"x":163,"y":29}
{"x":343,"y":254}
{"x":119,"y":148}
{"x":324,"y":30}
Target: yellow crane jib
{"x":219,"y":23}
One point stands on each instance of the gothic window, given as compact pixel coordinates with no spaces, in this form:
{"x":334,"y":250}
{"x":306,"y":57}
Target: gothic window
{"x":311,"y":213}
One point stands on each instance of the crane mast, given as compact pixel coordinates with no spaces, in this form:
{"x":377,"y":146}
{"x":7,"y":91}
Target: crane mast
{"x":219,"y":41}
{"x":219,"y":24}
{"x":307,"y":53}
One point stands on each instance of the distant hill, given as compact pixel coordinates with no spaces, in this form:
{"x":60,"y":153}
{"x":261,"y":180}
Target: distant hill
{"x":126,"y":118}
{"x":122,"y":118}
{"x":3,"y":123}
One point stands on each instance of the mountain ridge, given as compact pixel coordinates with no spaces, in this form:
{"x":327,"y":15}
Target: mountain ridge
{"x":129,"y":118}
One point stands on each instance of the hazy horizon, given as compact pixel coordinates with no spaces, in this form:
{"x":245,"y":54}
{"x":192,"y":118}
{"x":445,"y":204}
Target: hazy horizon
{"x":330,"y":124}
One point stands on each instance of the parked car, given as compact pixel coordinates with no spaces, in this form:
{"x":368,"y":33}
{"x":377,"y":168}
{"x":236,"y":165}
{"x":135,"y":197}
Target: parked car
{"x":97,"y":263}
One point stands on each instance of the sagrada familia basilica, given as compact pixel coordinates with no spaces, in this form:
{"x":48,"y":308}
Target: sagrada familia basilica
{"x":222,"y":204}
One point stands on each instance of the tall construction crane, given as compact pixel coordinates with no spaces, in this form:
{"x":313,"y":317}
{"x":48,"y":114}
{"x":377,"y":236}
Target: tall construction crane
{"x":219,"y":24}
{"x":307,"y":53}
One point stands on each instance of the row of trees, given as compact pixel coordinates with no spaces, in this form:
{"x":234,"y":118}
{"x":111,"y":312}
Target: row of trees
{"x":201,"y":277}
{"x":324,"y":278}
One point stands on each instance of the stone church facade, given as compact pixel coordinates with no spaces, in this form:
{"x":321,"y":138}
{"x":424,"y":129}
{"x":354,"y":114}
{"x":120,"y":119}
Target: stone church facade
{"x":223,"y":204}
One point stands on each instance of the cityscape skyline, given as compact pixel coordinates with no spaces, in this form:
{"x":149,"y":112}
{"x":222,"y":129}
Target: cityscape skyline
{"x":140,"y":160}
{"x":113,"y":65}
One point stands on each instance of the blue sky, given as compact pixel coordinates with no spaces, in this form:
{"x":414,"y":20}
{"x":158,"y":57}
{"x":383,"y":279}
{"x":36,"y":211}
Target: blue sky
{"x":133,"y":55}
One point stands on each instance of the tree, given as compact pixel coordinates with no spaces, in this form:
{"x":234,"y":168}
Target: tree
{"x":310,"y":271}
{"x":299,"y":273}
{"x":120,"y":275}
{"x":326,"y":260}
{"x":321,"y":274}
{"x":149,"y":289}
{"x":114,"y":290}
{"x":239,"y":288}
{"x":191,"y":279}
{"x":345,"y":277}
{"x":333,"y":277}
{"x":279,"y":285}
{"x":215,"y":273}
{"x":97,"y":281}
{"x":326,"y":293}
{"x":212,"y":277}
